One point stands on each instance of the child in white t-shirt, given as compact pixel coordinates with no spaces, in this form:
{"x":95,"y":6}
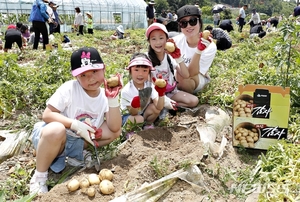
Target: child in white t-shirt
{"x":157,"y":36}
{"x":141,"y":109}
{"x":64,"y":132}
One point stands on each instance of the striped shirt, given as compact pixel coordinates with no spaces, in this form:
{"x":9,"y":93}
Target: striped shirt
{"x":219,"y":33}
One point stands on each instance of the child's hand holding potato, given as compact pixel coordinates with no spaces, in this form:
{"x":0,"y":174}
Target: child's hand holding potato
{"x":173,"y":50}
{"x":160,"y":85}
{"x":113,"y":86}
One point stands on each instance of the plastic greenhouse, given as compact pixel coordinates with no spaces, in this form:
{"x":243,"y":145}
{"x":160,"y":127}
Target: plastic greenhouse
{"x":107,"y":14}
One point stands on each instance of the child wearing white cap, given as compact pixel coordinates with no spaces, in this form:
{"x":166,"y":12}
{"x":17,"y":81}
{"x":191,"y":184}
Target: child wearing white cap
{"x":140,"y":68}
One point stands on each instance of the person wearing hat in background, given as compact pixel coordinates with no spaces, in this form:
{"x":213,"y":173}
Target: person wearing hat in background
{"x":78,"y":21}
{"x":89,"y":23}
{"x":241,"y":17}
{"x":223,"y":39}
{"x":38,"y":17}
{"x":150,"y":12}
{"x":140,"y":68}
{"x":118,"y":34}
{"x":255,"y":19}
{"x":58,"y":21}
{"x":64,"y":131}
{"x":197,"y":53}
{"x":12,"y":35}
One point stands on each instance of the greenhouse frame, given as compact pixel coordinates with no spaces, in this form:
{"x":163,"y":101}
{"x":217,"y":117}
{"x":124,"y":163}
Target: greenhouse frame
{"x":107,"y":14}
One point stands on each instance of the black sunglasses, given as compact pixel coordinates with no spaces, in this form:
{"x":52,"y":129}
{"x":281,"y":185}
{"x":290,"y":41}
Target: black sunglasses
{"x":192,"y":22}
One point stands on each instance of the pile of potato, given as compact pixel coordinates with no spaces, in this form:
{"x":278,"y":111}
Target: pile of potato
{"x":242,"y":106}
{"x":246,"y":135}
{"x":86,"y":184}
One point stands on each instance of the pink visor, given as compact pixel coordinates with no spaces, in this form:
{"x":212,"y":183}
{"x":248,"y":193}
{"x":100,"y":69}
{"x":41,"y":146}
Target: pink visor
{"x":140,"y":61}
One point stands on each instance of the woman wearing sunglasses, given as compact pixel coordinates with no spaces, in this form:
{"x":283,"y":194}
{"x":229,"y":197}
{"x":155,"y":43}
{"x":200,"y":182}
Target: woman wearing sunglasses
{"x":197,"y":53}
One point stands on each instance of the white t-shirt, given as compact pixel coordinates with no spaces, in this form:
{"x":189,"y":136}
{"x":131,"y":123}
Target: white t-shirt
{"x":207,"y":56}
{"x":164,"y":70}
{"x":78,"y":19}
{"x":129,"y":91}
{"x":50,"y":12}
{"x":73,"y":102}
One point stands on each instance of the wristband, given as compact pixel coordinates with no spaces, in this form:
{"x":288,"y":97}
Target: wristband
{"x":198,"y":51}
{"x":179,"y":60}
{"x":113,"y":102}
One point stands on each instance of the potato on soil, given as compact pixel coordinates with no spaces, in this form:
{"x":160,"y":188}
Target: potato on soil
{"x":93,"y":179}
{"x":205,"y":34}
{"x":113,"y":82}
{"x":106,"y":174}
{"x":161,"y":83}
{"x":106,"y":187}
{"x":73,"y":185}
{"x":84,"y":183}
{"x":170,"y":47}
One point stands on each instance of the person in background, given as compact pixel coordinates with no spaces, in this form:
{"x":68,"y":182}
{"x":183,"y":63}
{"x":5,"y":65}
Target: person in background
{"x":78,"y":21}
{"x":216,"y":17}
{"x":258,"y":31}
{"x":19,"y":25}
{"x":25,"y":32}
{"x":175,"y":17}
{"x":296,"y":10}
{"x":197,"y":5}
{"x":223,"y":39}
{"x":58,"y":21}
{"x":150,"y":12}
{"x":241,"y":17}
{"x":255,"y":19}
{"x":226,"y":25}
{"x":197,"y":53}
{"x":12,"y":35}
{"x":38,"y":17}
{"x":140,"y":68}
{"x":163,"y":14}
{"x":89,"y":23}
{"x":273,"y":22}
{"x":170,"y":16}
{"x":65,"y":131}
{"x":165,"y":67}
{"x":52,"y":25}
{"x":119,"y":33}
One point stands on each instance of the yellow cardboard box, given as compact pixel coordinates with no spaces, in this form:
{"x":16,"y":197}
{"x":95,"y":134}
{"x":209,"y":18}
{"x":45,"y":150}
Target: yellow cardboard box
{"x":260,"y":115}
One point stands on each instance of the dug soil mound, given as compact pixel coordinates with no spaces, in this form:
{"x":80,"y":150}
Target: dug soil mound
{"x":151,"y":154}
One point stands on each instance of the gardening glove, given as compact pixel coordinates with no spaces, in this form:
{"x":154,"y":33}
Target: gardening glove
{"x":170,"y":104}
{"x":136,"y":103}
{"x":176,"y":54}
{"x":161,"y":91}
{"x":112,"y":93}
{"x":203,"y":43}
{"x":83,"y":130}
{"x":96,"y":136}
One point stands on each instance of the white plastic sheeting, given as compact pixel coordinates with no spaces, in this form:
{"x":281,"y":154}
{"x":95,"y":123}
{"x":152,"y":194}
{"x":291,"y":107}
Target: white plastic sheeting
{"x":130,"y":13}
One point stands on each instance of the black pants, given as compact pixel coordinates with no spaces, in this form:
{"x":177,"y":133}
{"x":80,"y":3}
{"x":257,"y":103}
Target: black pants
{"x":80,"y":31}
{"x":90,"y":31}
{"x":57,"y":29}
{"x":40,"y":27}
{"x":241,"y":24}
{"x":223,"y":44}
{"x":262,"y":34}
